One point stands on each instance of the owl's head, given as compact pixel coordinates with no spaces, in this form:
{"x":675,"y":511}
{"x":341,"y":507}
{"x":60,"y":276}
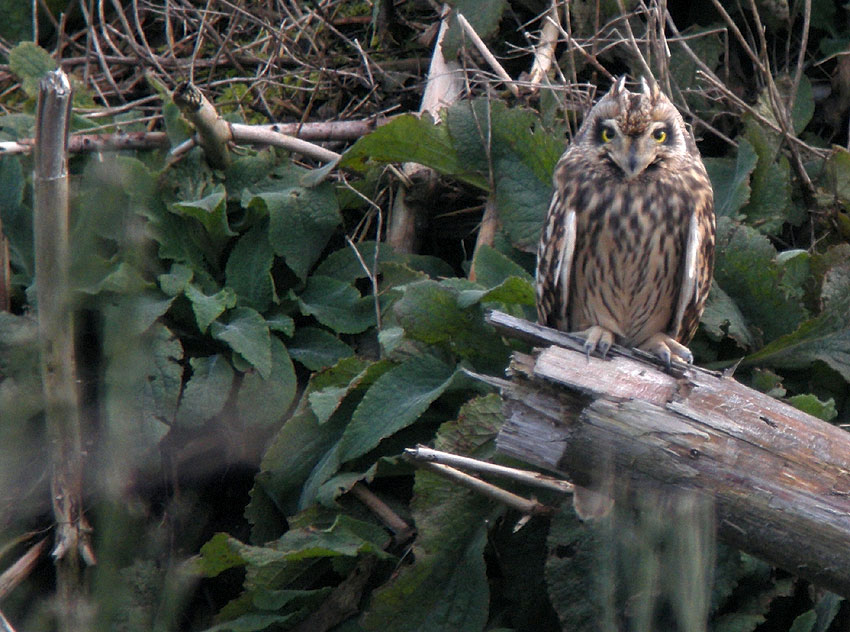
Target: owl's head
{"x":636,"y":130}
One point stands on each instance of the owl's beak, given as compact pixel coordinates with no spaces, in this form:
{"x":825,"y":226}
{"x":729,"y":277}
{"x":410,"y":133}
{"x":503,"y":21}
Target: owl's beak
{"x":633,"y":160}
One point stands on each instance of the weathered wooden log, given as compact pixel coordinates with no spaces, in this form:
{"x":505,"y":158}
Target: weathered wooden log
{"x":779,"y":478}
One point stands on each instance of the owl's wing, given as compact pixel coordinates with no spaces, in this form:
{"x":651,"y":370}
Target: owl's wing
{"x":697,"y":266}
{"x":554,"y":262}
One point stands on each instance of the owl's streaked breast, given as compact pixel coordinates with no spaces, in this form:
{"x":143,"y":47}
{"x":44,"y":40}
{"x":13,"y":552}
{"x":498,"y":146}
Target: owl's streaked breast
{"x":630,"y":239}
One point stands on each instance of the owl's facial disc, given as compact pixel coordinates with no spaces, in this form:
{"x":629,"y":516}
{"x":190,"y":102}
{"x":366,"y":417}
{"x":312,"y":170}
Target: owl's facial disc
{"x":633,"y":153}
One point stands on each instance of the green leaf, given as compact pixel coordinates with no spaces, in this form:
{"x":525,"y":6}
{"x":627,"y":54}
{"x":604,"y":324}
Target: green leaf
{"x":483,"y":15}
{"x":208,"y":308}
{"x":429,"y":312}
{"x":730,"y":179}
{"x":211,"y":212}
{"x":769,"y":206}
{"x":804,"y":105}
{"x":143,"y":379}
{"x":325,"y":401}
{"x":810,"y":404}
{"x":248,"y":269}
{"x":252,"y":622}
{"x":301,"y":220}
{"x":805,"y":622}
{"x":16,"y":220}
{"x":302,"y":442}
{"x":446,"y":586}
{"x":30,"y":63}
{"x":509,"y":144}
{"x":409,"y":138}
{"x":749,"y":274}
{"x":263,"y":401}
{"x":723,"y":318}
{"x":176,"y":280}
{"x":346,"y":537}
{"x":492,"y":267}
{"x":825,"y":337}
{"x":248,"y":335}
{"x":317,"y":349}
{"x":337,"y":304}
{"x":206,"y":391}
{"x":394,"y":401}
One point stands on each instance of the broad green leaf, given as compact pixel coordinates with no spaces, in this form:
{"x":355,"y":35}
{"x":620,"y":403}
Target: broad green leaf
{"x":325,"y":401}
{"x":346,"y":537}
{"x":143,"y":378}
{"x":805,"y":622}
{"x":317,"y":349}
{"x":209,"y":308}
{"x":206,"y":391}
{"x":301,"y":220}
{"x":248,"y":269}
{"x":838,"y":175}
{"x":825,"y":337}
{"x":429,"y":312}
{"x":446,"y":586}
{"x":337,"y":304}
{"x":253,"y":622}
{"x":508,"y":144}
{"x":20,"y":376}
{"x":747,"y":271}
{"x":211,"y":212}
{"x":730,"y":179}
{"x":483,"y":15}
{"x":770,"y":204}
{"x":409,"y":138}
{"x":818,"y":408}
{"x":723,"y":318}
{"x":248,"y":335}
{"x":512,"y":291}
{"x":263,"y":401}
{"x":282,"y":323}
{"x":16,"y":220}
{"x":30,"y":63}
{"x":301,"y":443}
{"x":492,"y":267}
{"x":394,"y":401}
{"x":344,"y":264}
{"x":176,"y":280}
{"x":804,"y":105}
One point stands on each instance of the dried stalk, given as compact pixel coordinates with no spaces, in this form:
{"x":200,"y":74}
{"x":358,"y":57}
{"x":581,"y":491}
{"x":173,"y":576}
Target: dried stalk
{"x":56,"y":335}
{"x":214,"y":133}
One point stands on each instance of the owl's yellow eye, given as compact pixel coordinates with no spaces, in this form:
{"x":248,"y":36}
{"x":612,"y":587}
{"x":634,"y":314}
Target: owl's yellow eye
{"x":607,"y":135}
{"x":660,"y":135}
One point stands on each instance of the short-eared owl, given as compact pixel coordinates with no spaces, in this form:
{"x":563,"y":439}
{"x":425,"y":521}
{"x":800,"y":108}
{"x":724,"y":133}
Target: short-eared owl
{"x":627,"y":250}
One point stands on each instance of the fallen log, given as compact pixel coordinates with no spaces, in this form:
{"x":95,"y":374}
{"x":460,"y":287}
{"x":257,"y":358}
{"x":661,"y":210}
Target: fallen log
{"x":778,"y":478}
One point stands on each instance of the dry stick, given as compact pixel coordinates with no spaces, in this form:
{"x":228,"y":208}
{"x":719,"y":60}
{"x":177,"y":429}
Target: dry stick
{"x":214,"y":133}
{"x":442,"y":88}
{"x":486,"y":54}
{"x":56,"y":336}
{"x":5,"y":626}
{"x":523,"y":505}
{"x":544,"y":52}
{"x":21,"y":569}
{"x":391,"y":519}
{"x":261,"y":134}
{"x":428,"y":455}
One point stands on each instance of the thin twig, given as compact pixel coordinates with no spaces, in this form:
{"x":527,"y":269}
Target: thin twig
{"x":428,"y":455}
{"x":486,"y":54}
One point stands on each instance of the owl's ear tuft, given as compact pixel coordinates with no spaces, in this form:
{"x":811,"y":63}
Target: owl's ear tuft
{"x":618,"y":87}
{"x":650,"y":88}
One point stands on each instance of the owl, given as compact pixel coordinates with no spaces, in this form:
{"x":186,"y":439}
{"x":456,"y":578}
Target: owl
{"x":627,"y":250}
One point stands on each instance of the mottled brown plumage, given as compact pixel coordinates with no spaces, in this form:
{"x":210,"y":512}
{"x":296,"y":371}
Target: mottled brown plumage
{"x":627,"y":250}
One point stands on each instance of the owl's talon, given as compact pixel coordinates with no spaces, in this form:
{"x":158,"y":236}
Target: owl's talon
{"x":597,"y":338}
{"x":666,"y":348}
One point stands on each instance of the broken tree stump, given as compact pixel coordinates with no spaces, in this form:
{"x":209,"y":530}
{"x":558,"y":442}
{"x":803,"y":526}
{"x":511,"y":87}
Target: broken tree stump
{"x":778,"y":478}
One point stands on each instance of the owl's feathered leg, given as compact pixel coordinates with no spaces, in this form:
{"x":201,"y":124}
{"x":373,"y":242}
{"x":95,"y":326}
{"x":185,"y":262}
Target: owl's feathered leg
{"x":666,"y":348}
{"x":597,"y":338}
